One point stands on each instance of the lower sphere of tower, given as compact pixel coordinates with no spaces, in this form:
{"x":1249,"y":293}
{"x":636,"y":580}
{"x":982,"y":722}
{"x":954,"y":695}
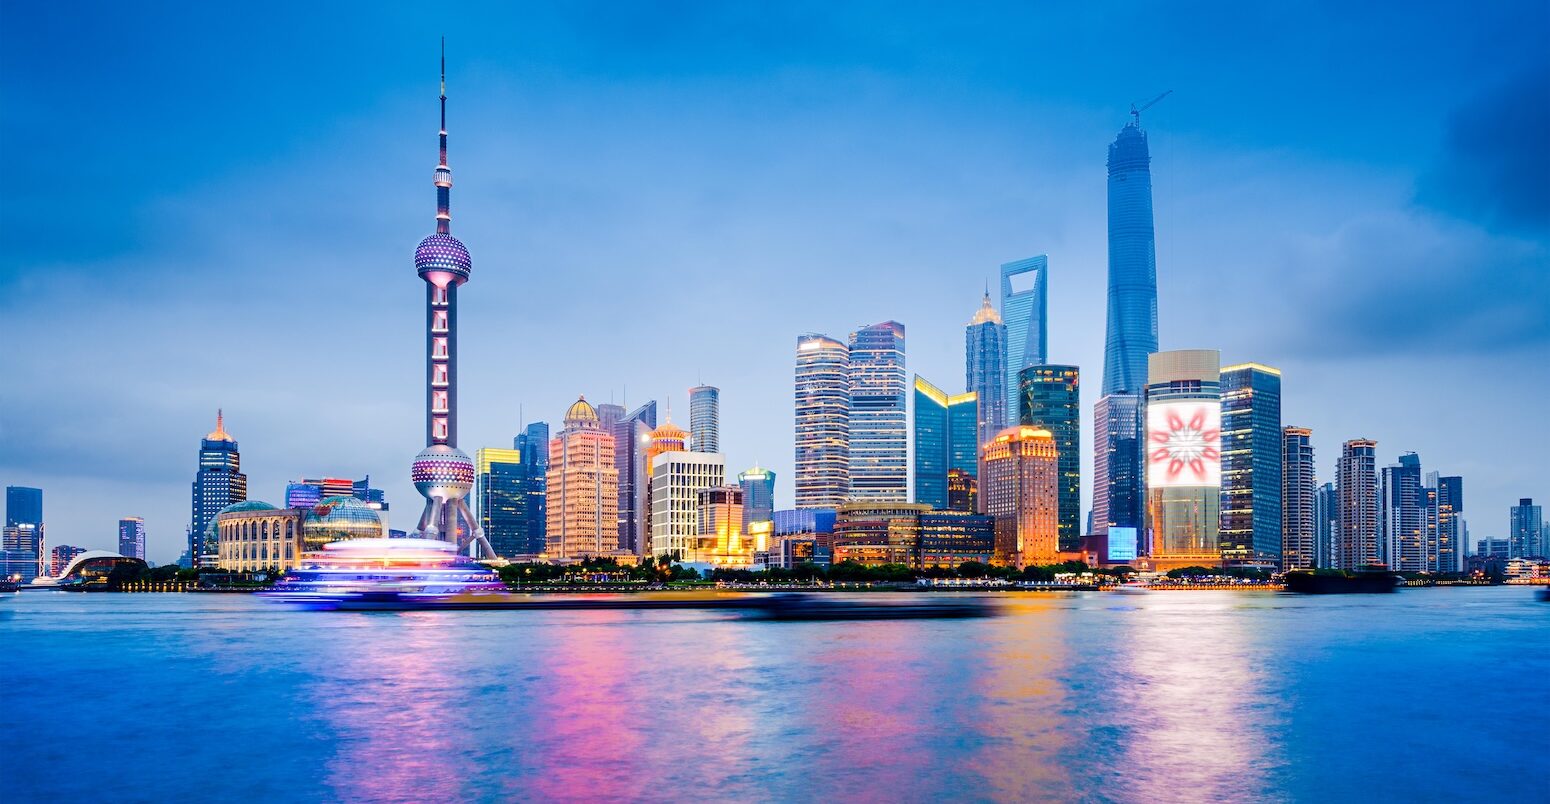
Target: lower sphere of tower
{"x":442,"y":471}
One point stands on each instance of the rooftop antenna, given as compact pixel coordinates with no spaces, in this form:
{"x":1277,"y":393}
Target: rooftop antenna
{"x":1135,"y":113}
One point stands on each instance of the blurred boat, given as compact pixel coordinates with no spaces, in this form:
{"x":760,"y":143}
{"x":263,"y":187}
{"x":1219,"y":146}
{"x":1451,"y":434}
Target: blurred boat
{"x":1334,"y":583}
{"x":386,"y":574}
{"x":798,"y":606}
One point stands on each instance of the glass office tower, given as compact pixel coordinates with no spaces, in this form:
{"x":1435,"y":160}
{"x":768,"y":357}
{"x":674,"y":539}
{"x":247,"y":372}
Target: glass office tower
{"x":1251,"y":465}
{"x":1299,"y":496}
{"x":1049,"y":397}
{"x":984,"y":368}
{"x":1132,"y":314}
{"x":822,"y":422}
{"x":705,"y":419}
{"x":946,"y":439}
{"x":879,"y":438}
{"x":1024,"y":307}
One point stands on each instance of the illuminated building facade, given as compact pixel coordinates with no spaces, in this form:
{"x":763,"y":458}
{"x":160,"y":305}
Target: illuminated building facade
{"x":442,"y":473}
{"x":946,"y":439}
{"x":61,"y":556}
{"x":949,"y":538}
{"x":1132,"y":312}
{"x":632,"y":435}
{"x":582,"y":488}
{"x":310,"y":491}
{"x":822,"y":422}
{"x":984,"y":368}
{"x":1526,"y":530}
{"x":533,"y":443}
{"x":962,"y":490}
{"x":877,"y":533}
{"x":131,"y":537}
{"x":1401,"y":525}
{"x":879,"y":435}
{"x":758,"y":485}
{"x":722,"y":540}
{"x":219,"y":482}
{"x":666,"y":438}
{"x":1326,"y":524}
{"x":24,"y":506}
{"x":254,"y":536}
{"x":1119,"y":463}
{"x":1250,"y":528}
{"x":1049,"y":398}
{"x":677,"y":478}
{"x":504,"y":502}
{"x":1356,"y":541}
{"x":1183,"y":459}
{"x":1450,"y":522}
{"x":1299,"y":500}
{"x":1024,"y":307}
{"x":803,"y":535}
{"x":705,"y":419}
{"x":1019,"y":488}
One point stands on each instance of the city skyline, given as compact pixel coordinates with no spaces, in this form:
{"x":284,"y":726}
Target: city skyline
{"x":50,"y":420}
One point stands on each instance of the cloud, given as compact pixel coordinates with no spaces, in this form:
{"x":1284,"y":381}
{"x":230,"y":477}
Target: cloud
{"x":1495,"y":167}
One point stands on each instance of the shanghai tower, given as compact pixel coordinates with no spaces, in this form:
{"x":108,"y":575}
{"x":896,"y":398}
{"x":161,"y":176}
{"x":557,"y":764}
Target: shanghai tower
{"x":442,"y":473}
{"x":1118,"y":416}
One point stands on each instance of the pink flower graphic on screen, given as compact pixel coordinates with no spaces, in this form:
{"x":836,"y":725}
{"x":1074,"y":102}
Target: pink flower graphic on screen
{"x":1186,"y":446}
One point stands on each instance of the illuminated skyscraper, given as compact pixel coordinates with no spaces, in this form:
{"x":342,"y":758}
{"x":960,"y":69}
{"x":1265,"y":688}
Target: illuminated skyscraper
{"x":1526,"y":530}
{"x":1356,"y":542}
{"x":632,"y":435}
{"x":985,"y":368}
{"x":1119,"y":435}
{"x":442,"y":473}
{"x":509,"y":510}
{"x":582,"y":488}
{"x":1299,"y":506}
{"x":1049,"y":398}
{"x":879,"y":435}
{"x":758,"y":485}
{"x":22,"y":553}
{"x":1326,"y":525}
{"x":677,"y":478}
{"x":705,"y":418}
{"x":1025,"y":307}
{"x":1020,"y":490}
{"x":722,"y":540}
{"x":24,"y":505}
{"x":822,"y":422}
{"x":1401,"y":519}
{"x":131,"y":537}
{"x":946,"y":438}
{"x":666,"y":438}
{"x":1251,"y":465}
{"x":1132,"y":314}
{"x":1450,"y":522}
{"x":1184,"y":461}
{"x":533,"y":443}
{"x":219,"y":482}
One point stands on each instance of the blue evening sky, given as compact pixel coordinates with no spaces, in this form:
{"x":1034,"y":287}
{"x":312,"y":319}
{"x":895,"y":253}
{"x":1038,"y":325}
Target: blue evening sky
{"x":216,"y":205}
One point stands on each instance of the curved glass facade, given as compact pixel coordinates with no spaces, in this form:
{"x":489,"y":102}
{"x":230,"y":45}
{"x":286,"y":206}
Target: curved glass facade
{"x":337,"y":519}
{"x":1132,"y":315}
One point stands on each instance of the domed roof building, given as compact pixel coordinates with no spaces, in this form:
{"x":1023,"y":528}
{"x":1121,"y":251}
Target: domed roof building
{"x":337,"y":519}
{"x":581,"y":414}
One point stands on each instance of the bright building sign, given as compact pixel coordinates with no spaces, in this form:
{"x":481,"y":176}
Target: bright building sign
{"x":1184,"y":443}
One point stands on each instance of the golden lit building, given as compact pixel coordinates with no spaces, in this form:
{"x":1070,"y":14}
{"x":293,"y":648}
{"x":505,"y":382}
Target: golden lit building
{"x":721,"y":540}
{"x":876,"y":533}
{"x":255,"y":536}
{"x":677,"y":478}
{"x":668,"y":437}
{"x":582,"y":520}
{"x":1019,"y":488}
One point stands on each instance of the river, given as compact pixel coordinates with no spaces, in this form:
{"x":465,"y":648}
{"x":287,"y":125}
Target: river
{"x":1427,"y":694}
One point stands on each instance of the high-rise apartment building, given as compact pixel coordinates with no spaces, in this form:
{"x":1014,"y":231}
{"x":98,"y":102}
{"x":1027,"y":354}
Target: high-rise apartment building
{"x":677,"y":478}
{"x":946,"y":438}
{"x":219,"y":482}
{"x":1025,"y":309}
{"x":758,"y":487}
{"x":61,"y":556}
{"x":984,"y":368}
{"x":879,"y":430}
{"x":131,"y":537}
{"x":582,"y":488}
{"x":1402,"y":539}
{"x":822,"y":422}
{"x":1526,"y":530}
{"x":1326,"y":525}
{"x":1183,"y":460}
{"x":1019,"y":485}
{"x":1251,"y":465}
{"x":1299,"y":505}
{"x":1450,"y":522}
{"x":1357,"y":542}
{"x":1119,"y":465}
{"x":632,"y":436}
{"x":1132,"y":313}
{"x":705,"y":419}
{"x":1049,"y":398}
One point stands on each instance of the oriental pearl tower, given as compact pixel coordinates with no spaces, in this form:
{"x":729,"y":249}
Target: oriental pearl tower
{"x":442,"y":473}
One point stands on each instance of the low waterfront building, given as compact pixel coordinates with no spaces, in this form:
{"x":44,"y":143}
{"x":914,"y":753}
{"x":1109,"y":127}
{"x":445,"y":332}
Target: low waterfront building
{"x":877,"y":533}
{"x":61,"y":556}
{"x":254,"y":536}
{"x":949,"y":538}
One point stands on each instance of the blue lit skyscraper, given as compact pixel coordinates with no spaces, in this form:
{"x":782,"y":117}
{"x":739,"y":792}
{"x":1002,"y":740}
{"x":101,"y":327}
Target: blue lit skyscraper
{"x":1049,"y":398}
{"x":758,"y":485}
{"x":1251,"y":465}
{"x":218,"y":483}
{"x":879,"y":438}
{"x":946,"y":438}
{"x":1132,"y":315}
{"x":23,"y":506}
{"x":1024,"y":307}
{"x":984,"y":368}
{"x":533,"y":444}
{"x":705,"y":419}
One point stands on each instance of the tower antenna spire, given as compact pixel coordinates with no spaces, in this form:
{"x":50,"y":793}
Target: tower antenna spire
{"x":443,"y":172}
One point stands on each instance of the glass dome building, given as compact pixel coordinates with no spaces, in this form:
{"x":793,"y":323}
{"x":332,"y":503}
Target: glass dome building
{"x":336,"y":519}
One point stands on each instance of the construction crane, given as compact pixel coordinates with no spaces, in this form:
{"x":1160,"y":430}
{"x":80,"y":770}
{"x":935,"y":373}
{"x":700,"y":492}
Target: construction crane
{"x":1135,"y":113}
